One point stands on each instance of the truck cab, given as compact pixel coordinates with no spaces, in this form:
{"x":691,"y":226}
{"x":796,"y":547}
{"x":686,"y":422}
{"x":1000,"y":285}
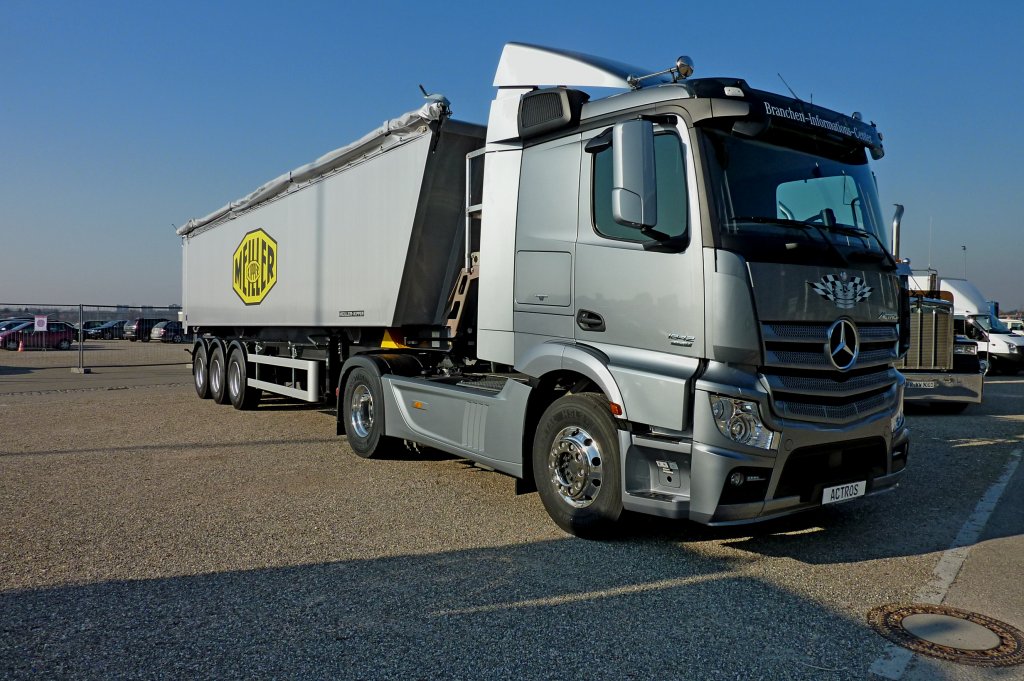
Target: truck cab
{"x":712,"y":257}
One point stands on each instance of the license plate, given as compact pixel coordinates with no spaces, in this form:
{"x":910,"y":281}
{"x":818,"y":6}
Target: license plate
{"x":922,"y":384}
{"x":834,"y":495}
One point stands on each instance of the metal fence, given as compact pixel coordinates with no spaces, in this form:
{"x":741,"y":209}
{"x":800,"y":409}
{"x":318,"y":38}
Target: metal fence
{"x":38,"y":336}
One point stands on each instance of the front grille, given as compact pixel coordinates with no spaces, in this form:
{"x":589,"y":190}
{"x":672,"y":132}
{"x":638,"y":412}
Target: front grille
{"x":816,"y":359}
{"x":806,"y":386}
{"x":931,"y":338}
{"x":837,"y":412}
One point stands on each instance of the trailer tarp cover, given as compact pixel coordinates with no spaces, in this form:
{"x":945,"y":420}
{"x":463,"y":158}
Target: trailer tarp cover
{"x":408,"y":123}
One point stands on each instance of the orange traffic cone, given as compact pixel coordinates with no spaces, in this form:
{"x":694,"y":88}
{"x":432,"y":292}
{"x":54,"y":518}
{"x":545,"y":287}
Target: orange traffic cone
{"x":21,"y":345}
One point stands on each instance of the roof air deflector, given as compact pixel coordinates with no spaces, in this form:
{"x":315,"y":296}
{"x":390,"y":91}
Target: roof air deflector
{"x":524,"y":65}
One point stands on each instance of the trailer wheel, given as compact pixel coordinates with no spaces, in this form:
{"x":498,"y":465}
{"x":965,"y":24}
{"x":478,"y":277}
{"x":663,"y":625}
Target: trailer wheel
{"x":363,"y":408}
{"x":240,"y":394}
{"x":200,"y":372}
{"x":576,"y":466}
{"x":218,"y":376}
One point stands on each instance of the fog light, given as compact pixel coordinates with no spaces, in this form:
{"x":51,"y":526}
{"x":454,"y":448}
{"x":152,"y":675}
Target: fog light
{"x":736,"y":478}
{"x":740,"y":421}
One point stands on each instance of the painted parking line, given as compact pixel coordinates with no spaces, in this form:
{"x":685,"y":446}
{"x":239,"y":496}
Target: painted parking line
{"x":893,"y":662}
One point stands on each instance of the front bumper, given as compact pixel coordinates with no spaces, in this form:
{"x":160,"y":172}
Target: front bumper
{"x":924,"y":387}
{"x":690,"y":479}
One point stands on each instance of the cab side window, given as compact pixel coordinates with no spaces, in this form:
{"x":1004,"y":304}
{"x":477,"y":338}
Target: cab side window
{"x":673,"y":209}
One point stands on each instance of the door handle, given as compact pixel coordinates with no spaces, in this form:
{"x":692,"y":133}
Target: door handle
{"x":589,"y":321}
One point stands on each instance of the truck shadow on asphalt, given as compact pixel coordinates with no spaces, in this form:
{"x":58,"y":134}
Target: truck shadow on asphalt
{"x":622,"y":610}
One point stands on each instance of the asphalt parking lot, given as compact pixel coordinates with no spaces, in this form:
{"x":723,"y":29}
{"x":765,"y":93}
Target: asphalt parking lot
{"x":147,"y":533}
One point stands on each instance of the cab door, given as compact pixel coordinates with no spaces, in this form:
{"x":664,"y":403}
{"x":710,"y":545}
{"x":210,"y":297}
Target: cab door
{"x":627,"y":297}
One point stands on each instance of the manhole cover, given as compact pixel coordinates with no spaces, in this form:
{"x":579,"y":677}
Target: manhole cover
{"x":950,"y":634}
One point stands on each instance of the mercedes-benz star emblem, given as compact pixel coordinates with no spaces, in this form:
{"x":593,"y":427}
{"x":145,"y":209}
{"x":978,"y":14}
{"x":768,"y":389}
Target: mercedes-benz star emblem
{"x":843,"y":344}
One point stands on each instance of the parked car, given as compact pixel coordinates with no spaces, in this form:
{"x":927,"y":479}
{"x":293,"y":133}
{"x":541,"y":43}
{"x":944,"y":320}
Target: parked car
{"x":8,"y":324}
{"x":91,"y":324}
{"x":168,"y":332}
{"x":58,"y":335}
{"x":108,"y":331}
{"x":140,"y":328}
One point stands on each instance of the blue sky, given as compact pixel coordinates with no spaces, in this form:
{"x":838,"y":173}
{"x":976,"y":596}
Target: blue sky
{"x":121,"y":119}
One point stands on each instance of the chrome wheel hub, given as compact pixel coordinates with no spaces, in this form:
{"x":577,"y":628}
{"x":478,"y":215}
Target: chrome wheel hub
{"x":574,"y":464}
{"x":215,"y":376}
{"x":200,"y":368}
{"x":361,"y":411}
{"x":234,"y":379}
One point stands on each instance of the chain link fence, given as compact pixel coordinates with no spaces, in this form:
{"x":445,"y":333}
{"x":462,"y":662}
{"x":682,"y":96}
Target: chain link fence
{"x":35,"y":336}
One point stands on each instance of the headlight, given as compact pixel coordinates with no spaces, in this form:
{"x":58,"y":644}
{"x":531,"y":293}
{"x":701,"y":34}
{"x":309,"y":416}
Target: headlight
{"x":965,"y":349}
{"x":740,"y":421}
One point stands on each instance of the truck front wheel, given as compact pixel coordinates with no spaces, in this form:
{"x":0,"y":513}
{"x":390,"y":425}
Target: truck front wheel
{"x":363,"y":408}
{"x":576,"y":466}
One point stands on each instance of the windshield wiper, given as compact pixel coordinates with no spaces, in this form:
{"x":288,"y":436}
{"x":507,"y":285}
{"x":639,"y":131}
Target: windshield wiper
{"x":850,"y":230}
{"x":845,"y":230}
{"x":795,"y":224}
{"x":781,"y":222}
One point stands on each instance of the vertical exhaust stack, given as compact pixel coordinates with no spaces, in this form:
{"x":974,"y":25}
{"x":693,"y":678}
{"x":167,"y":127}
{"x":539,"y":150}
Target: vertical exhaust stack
{"x":896,"y":219}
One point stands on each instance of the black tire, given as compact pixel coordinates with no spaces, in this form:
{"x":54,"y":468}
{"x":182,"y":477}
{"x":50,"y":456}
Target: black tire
{"x":11,"y":344}
{"x":177,"y":339}
{"x":217,"y":370}
{"x":240,"y":394}
{"x":64,"y":344}
{"x":362,"y":405}
{"x":576,"y":466}
{"x":201,"y":372}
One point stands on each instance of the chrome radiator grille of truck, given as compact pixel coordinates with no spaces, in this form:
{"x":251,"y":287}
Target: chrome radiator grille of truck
{"x":806,"y":386}
{"x":931,"y":338}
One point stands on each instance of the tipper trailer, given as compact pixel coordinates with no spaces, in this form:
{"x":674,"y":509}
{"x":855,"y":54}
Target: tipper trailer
{"x":674,"y":300}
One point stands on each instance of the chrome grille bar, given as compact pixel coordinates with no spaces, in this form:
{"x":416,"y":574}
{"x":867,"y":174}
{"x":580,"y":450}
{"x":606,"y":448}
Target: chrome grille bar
{"x":805,"y":385}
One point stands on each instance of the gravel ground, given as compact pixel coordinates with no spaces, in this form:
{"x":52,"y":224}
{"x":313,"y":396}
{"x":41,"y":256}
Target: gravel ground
{"x":150,"y":534}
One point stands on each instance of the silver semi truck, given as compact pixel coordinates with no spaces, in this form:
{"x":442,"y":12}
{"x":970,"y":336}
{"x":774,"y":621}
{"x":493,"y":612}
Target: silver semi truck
{"x":674,"y":300}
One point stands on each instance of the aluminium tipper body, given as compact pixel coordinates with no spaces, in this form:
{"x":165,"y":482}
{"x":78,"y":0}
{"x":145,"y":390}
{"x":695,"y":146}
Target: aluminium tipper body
{"x":369,"y":235}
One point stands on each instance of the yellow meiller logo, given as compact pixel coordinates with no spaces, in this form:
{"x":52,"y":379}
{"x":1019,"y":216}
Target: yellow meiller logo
{"x":254,"y":267}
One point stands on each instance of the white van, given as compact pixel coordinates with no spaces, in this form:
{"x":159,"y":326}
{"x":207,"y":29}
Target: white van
{"x":1016,"y":326}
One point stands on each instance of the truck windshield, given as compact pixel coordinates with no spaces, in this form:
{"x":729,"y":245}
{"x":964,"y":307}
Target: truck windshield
{"x":788,"y":198}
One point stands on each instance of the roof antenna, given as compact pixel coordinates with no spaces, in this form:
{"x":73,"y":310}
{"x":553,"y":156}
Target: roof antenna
{"x":787,"y":87}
